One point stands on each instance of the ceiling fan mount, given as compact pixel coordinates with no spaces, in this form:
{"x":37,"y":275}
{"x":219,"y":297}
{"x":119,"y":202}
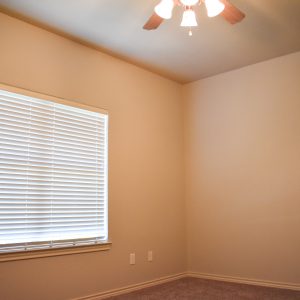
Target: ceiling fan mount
{"x":163,"y":11}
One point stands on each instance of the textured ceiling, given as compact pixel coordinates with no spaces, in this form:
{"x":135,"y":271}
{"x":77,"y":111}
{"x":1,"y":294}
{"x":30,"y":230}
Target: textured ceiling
{"x":271,"y":28}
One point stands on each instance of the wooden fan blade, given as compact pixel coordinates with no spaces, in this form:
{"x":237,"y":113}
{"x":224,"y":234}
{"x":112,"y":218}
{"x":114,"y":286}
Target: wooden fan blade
{"x":231,"y":13}
{"x":153,"y":22}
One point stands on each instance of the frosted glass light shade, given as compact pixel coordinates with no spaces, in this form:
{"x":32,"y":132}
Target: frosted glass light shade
{"x":189,"y":18}
{"x":214,"y":7}
{"x":189,"y":2}
{"x":164,"y":9}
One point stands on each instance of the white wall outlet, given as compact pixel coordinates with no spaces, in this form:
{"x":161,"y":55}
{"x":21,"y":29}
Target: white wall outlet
{"x":132,"y":258}
{"x":150,"y":255}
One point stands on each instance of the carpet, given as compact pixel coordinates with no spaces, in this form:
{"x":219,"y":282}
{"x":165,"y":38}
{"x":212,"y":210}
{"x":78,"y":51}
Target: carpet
{"x":203,"y":289}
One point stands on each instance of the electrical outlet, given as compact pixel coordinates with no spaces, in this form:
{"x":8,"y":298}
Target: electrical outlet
{"x":132,"y":258}
{"x":150,"y":255}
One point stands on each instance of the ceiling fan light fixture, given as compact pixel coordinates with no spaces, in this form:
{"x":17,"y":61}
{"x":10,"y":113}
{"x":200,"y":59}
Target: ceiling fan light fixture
{"x":164,"y":9}
{"x":189,"y":18}
{"x":189,"y":2}
{"x":214,"y":7}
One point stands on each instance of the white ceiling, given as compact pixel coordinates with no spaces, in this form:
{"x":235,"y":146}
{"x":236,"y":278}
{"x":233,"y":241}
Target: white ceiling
{"x":271,"y":28}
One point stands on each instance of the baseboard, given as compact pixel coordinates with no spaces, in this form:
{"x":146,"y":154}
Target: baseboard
{"x":281,"y":285}
{"x":139,"y":286}
{"x":131,"y":288}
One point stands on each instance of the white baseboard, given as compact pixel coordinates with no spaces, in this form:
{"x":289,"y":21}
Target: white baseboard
{"x":281,"y":285}
{"x":131,"y":288}
{"x":135,"y":287}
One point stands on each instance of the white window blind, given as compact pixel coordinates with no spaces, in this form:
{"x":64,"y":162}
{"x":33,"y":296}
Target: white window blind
{"x":53,"y":174}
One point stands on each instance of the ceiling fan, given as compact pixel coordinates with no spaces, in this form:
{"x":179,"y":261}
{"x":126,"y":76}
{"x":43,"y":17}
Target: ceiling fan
{"x":163,"y":10}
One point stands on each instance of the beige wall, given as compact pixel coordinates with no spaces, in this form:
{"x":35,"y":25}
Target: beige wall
{"x":242,"y":155}
{"x":145,"y":164}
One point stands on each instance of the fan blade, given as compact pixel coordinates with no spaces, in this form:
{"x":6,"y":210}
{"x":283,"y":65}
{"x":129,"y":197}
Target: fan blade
{"x":231,"y":13}
{"x":153,"y":22}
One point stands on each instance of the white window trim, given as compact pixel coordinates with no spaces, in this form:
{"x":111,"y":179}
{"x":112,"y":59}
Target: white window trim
{"x":106,"y":245}
{"x":39,"y":253}
{"x":48,"y":97}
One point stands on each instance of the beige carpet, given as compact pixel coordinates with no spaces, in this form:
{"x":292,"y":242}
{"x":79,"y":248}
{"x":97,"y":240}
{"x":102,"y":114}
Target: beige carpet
{"x":194,"y":289}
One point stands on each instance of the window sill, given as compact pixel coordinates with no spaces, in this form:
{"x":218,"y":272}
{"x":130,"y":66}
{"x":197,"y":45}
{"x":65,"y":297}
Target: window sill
{"x":54,"y":252}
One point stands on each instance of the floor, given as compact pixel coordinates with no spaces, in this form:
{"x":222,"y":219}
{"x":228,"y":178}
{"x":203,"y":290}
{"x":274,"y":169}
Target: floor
{"x":202,"y":289}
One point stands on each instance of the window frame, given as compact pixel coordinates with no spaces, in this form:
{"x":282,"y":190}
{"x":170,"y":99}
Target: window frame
{"x":64,"y":250}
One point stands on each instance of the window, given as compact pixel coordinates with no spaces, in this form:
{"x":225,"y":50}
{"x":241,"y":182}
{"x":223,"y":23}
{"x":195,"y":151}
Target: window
{"x":53,"y":173}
